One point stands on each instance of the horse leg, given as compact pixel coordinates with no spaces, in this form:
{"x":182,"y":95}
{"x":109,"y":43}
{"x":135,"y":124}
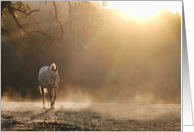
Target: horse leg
{"x":50,"y":92}
{"x":54,"y":96}
{"x":42,"y":88}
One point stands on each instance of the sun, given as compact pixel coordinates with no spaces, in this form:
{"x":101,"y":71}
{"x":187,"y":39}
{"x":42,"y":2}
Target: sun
{"x":143,"y":9}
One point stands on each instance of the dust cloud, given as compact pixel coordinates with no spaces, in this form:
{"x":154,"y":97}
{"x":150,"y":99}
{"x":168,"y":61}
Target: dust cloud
{"x":74,"y":95}
{"x":137,"y":62}
{"x":128,"y":70}
{"x":12,"y":96}
{"x":70,"y":94}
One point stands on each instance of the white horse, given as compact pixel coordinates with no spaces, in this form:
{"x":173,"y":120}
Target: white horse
{"x":48,"y":79}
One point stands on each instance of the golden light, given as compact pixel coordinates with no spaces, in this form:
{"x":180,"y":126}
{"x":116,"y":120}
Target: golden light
{"x":143,"y":9}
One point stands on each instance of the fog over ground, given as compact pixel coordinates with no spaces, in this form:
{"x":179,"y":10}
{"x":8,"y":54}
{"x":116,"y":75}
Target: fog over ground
{"x":128,"y":60}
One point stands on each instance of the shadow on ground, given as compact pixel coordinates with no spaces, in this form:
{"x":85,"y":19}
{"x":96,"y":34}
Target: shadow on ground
{"x":88,"y":120}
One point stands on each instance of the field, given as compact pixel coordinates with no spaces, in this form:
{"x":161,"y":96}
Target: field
{"x":88,"y":116}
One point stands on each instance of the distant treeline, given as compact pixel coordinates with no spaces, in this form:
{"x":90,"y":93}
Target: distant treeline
{"x":123,"y":58}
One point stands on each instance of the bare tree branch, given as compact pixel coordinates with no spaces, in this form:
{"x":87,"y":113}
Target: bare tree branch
{"x":3,"y":30}
{"x":37,"y":23}
{"x":38,"y":32}
{"x":53,"y":39}
{"x":27,"y":14}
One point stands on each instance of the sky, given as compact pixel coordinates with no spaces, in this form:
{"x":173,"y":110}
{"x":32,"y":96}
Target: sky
{"x":144,"y":9}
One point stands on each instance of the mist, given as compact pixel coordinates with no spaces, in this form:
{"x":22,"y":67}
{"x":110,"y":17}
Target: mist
{"x":128,"y":61}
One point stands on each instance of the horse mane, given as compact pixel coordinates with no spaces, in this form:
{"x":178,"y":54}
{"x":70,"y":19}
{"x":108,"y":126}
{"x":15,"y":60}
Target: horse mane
{"x":54,"y":66}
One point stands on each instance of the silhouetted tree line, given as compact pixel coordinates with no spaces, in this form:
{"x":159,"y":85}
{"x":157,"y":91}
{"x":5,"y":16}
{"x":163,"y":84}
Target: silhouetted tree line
{"x":123,"y":56}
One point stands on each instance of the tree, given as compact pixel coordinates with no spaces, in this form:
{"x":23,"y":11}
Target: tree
{"x":27,"y":30}
{"x":53,"y":33}
{"x":134,"y":58}
{"x":104,"y":4}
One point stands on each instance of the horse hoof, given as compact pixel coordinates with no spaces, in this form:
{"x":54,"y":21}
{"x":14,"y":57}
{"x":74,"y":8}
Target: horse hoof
{"x":52,"y":108}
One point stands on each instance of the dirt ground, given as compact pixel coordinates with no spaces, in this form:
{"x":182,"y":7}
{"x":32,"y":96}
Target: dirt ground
{"x":72,"y":116}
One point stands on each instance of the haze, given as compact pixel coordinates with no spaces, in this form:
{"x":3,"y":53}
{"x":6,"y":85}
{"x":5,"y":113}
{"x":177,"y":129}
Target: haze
{"x":119,"y":58}
{"x":143,"y":9}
